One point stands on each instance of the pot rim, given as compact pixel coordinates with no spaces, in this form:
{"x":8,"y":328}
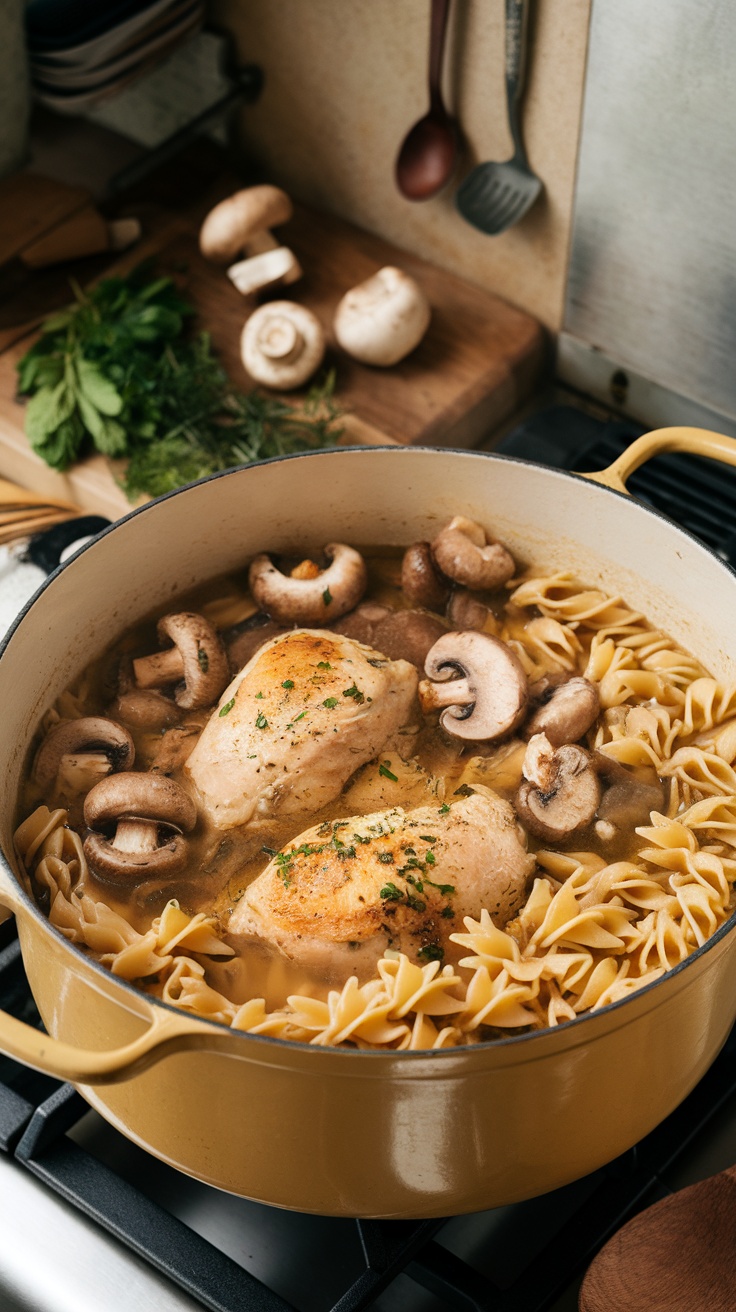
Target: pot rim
{"x":568,"y":1028}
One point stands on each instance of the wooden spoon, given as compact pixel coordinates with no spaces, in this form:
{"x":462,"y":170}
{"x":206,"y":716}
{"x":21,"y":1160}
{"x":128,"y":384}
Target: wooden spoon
{"x":677,"y":1256}
{"x":428,"y":157}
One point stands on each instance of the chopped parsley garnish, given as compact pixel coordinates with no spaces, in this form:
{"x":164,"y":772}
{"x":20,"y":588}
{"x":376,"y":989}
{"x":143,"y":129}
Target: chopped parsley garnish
{"x":444,"y":808}
{"x":427,"y":838}
{"x":226,"y":709}
{"x":261,"y":721}
{"x":415,"y":903}
{"x":327,"y":596}
{"x":259,"y":696}
{"x":288,"y":683}
{"x":411,"y":879}
{"x":386,"y":857}
{"x":430,"y":858}
{"x":384,"y":771}
{"x":330,"y":703}
{"x":354,"y":693}
{"x":431,"y":952}
{"x":270,"y":851}
{"x":323,"y":665}
{"x":390,"y":893}
{"x":203,"y":660}
{"x":464,"y":791}
{"x":445,"y":889}
{"x":448,"y":913}
{"x":410,"y":851}
{"x":345,"y":853}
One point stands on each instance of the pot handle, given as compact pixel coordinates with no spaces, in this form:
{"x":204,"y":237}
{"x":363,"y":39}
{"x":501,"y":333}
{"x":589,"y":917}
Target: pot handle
{"x":169,"y":1031}
{"x":696,"y":441}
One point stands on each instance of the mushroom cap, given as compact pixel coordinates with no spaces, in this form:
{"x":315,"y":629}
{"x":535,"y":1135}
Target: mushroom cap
{"x":145,"y":709}
{"x":421,"y":581}
{"x":564,"y":794}
{"x":206,"y":669}
{"x":408,"y":635}
{"x":108,"y":862}
{"x":464,"y":611}
{"x":228,"y":227}
{"x":566,"y":712}
{"x":139,"y":795}
{"x":282,"y":344}
{"x":334,"y":591}
{"x":488,"y":700}
{"x":361,"y":623}
{"x":465,"y":554}
{"x":91,"y":733}
{"x":382,"y":319}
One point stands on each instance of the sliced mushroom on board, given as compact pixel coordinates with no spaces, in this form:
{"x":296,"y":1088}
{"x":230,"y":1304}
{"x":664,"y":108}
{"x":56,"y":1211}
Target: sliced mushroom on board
{"x":139,"y":805}
{"x":478,"y":683}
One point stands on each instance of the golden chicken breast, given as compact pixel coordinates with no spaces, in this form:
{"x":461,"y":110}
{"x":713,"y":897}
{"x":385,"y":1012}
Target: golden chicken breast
{"x":295,"y":724}
{"x":344,"y":891}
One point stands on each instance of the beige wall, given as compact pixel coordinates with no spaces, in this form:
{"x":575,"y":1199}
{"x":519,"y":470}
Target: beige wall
{"x":345,"y":79}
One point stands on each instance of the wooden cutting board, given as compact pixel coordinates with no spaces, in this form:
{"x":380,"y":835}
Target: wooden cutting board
{"x":480,"y":358}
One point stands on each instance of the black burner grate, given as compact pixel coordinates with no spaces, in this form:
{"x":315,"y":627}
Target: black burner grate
{"x":483,"y":1263}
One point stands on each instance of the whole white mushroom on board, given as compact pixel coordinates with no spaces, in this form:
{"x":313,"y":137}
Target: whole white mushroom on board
{"x":242,"y":224}
{"x":382,"y":319}
{"x":282,"y":344}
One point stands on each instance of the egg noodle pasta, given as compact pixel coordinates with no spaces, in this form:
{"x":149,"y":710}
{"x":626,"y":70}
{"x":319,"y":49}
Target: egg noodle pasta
{"x":591,"y":931}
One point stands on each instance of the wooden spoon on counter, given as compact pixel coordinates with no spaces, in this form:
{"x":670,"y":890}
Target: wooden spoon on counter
{"x":429,"y":155}
{"x":677,"y":1256}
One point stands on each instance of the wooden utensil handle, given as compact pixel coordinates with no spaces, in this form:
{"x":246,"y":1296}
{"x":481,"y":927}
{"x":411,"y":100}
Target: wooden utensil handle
{"x":437,"y":32}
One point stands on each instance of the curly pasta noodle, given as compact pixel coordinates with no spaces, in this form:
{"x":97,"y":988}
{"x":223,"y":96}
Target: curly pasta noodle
{"x":591,"y":931}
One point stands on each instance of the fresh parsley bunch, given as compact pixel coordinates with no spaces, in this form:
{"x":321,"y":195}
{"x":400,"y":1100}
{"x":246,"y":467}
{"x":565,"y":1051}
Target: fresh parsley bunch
{"x":118,"y":372}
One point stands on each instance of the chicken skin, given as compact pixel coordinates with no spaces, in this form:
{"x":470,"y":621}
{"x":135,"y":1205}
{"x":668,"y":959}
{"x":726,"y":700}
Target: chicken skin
{"x":295,"y":724}
{"x":342,"y":892}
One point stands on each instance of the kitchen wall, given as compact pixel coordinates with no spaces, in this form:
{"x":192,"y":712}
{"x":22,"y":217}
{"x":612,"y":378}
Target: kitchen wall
{"x":345,"y":79}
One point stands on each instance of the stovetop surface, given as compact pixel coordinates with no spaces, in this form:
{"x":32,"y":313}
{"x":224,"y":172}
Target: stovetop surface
{"x":88,"y":1220}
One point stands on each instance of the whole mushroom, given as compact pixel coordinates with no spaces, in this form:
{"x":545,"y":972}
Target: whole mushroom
{"x":242,"y":223}
{"x":565,"y":711}
{"x":282,"y":344}
{"x":465,"y":553}
{"x":139,"y":805}
{"x":478,"y":682}
{"x":310,"y":595}
{"x":76,"y":752}
{"x":197,"y":657}
{"x":421,"y":582}
{"x":560,"y":793}
{"x":382,"y":319}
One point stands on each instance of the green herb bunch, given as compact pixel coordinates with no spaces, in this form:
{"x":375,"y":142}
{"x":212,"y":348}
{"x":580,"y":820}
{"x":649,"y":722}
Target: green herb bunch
{"x":118,"y":372}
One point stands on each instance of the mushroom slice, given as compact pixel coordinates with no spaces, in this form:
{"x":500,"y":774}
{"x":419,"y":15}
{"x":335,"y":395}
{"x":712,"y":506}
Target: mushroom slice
{"x":565,"y":712}
{"x":282,"y":344}
{"x":560,"y":792}
{"x":197,"y":657}
{"x":465,"y":554}
{"x":138,"y":805}
{"x":421,"y":581}
{"x":308,"y":601}
{"x":106,"y":745}
{"x":489,"y":696}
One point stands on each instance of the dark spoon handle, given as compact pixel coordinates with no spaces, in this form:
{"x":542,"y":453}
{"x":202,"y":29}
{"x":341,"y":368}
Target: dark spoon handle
{"x":517,"y":12}
{"x":438,"y":29}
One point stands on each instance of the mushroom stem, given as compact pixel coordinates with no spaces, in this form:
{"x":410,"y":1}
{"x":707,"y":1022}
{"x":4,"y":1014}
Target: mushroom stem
{"x":280,"y":339}
{"x":79,"y":771}
{"x":136,"y":836}
{"x":453,"y":692}
{"x":159,"y":669}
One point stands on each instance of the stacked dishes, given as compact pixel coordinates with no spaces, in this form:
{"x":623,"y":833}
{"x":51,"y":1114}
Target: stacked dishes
{"x":78,"y":56}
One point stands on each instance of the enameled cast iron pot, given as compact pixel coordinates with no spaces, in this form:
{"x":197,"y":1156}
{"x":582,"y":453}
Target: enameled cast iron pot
{"x":346,"y":1132}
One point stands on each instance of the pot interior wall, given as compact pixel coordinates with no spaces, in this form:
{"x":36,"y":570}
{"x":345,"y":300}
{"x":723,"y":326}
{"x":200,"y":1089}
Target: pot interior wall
{"x":547,"y":518}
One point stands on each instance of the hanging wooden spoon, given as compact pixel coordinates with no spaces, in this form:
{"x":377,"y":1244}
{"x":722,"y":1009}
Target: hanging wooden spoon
{"x":677,"y":1256}
{"x":429,"y":155}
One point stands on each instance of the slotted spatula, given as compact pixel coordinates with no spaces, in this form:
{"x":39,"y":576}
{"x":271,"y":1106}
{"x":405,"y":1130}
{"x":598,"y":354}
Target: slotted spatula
{"x":495,"y":196}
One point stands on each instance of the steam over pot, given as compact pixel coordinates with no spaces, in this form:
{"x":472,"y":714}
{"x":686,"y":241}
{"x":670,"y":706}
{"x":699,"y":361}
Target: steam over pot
{"x":339,"y":1131}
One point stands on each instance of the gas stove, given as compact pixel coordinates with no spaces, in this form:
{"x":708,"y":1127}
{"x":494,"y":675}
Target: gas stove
{"x":90,"y":1221}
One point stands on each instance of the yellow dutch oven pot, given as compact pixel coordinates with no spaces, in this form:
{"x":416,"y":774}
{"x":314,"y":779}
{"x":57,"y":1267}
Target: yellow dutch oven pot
{"x":343,"y":1132}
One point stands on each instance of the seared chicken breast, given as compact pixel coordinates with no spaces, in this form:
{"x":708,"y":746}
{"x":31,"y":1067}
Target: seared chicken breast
{"x":295,"y":724}
{"x":342,"y":892}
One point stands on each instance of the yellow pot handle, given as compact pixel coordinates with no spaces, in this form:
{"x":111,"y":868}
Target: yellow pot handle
{"x":168,"y":1032}
{"x":696,"y":441}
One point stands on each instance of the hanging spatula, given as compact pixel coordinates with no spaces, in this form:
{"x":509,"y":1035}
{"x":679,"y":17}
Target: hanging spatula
{"x":495,"y":196}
